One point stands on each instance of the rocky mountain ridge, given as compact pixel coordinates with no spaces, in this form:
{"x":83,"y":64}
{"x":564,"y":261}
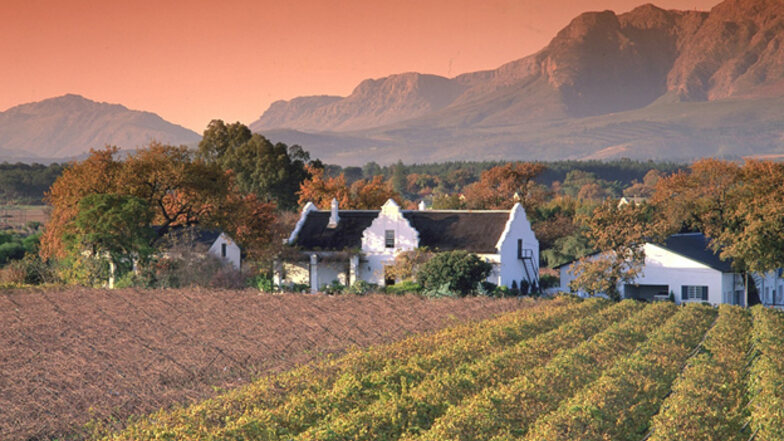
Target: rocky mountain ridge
{"x":599,"y":65}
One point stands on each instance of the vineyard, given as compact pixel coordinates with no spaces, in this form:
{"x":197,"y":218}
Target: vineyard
{"x":558,"y":370}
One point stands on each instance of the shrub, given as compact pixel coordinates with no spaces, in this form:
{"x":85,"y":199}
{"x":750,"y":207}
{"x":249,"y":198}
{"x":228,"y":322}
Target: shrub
{"x":262,"y":282}
{"x":404,"y":287}
{"x":12,"y":250}
{"x":459,"y":270}
{"x":34,"y":270}
{"x":361,"y":287}
{"x":441,"y":291}
{"x":334,"y":288}
{"x":549,"y":281}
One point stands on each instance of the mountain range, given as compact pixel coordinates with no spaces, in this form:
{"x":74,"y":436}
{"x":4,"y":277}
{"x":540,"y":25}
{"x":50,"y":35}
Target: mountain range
{"x":647,"y":84}
{"x":68,"y":126}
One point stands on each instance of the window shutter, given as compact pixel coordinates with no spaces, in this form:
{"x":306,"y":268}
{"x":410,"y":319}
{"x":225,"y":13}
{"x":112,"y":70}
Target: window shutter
{"x":684,"y":293}
{"x":705,"y":293}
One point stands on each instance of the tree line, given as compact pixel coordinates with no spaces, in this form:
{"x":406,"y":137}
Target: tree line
{"x":246,"y":185}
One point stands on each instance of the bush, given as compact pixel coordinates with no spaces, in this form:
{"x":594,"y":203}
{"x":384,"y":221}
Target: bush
{"x":36,"y":271}
{"x":12,"y":250}
{"x":460,"y":271}
{"x":334,"y":288}
{"x":361,"y":287}
{"x":549,"y":281}
{"x":262,"y":282}
{"x":404,"y":287}
{"x":441,"y":291}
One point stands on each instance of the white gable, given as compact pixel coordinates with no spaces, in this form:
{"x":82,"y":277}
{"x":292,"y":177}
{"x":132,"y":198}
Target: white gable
{"x":389,"y":219}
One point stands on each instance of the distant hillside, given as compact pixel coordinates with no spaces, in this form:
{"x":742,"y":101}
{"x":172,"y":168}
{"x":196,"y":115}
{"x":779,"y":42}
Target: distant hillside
{"x":70,"y":125}
{"x":650,"y":83}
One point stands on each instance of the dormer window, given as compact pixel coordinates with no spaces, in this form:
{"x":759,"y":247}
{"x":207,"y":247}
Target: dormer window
{"x":389,"y":238}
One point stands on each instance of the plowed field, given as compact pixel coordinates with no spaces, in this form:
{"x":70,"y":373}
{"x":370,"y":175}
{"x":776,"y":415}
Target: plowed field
{"x":71,"y":355}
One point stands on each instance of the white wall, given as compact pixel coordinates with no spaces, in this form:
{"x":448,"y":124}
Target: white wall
{"x":376,"y":254}
{"x":663,"y":267}
{"x":495,"y":273}
{"x":233,"y":252}
{"x":771,"y":288}
{"x":517,"y":227}
{"x":328,"y":272}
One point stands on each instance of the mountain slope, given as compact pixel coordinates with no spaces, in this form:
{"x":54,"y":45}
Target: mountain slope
{"x":70,"y":125}
{"x":372,"y":103}
{"x":650,"y":62}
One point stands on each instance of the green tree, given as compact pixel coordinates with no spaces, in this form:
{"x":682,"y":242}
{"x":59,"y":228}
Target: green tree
{"x":399,"y":181}
{"x":108,"y":227}
{"x":111,"y":224}
{"x":273,"y":172}
{"x":460,"y":271}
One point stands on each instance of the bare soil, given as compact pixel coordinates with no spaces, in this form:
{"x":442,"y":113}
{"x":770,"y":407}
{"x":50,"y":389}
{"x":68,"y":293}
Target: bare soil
{"x":71,"y":355}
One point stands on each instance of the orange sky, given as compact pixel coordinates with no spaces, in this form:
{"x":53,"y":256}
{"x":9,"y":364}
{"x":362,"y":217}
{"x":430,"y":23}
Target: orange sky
{"x":192,"y":61}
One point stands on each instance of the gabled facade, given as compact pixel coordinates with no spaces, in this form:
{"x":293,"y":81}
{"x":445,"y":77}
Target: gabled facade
{"x":349,"y":245}
{"x":688,"y":270}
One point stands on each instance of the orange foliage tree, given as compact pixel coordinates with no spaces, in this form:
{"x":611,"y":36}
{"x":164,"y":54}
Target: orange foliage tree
{"x":180,"y":190}
{"x":363,"y":194}
{"x":496,"y":187}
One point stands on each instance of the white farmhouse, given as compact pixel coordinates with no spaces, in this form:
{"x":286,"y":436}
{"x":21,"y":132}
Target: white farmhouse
{"x":686,"y":268}
{"x":349,"y":245}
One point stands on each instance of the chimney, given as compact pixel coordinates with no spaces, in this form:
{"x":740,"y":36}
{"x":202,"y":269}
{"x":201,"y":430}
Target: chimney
{"x":422,"y":206}
{"x":333,"y":215}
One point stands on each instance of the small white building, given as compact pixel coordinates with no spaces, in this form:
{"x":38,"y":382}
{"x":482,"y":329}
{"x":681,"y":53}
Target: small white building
{"x":213,"y":242}
{"x":349,"y":245}
{"x":686,"y":268}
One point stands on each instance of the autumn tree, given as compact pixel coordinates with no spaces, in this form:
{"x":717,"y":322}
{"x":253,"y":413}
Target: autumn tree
{"x":618,"y":234}
{"x":363,"y":194}
{"x":497,"y":187}
{"x":179,"y":189}
{"x":95,"y":175}
{"x":698,"y":199}
{"x":752,"y":221}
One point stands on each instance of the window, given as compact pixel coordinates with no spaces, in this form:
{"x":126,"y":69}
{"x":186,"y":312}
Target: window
{"x":223,"y":250}
{"x":519,"y":248}
{"x":389,"y":238}
{"x":693,"y":292}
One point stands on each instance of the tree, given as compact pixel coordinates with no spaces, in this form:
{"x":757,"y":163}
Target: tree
{"x":111,"y":225}
{"x":497,"y":187}
{"x":220,"y":138}
{"x":618,"y":233}
{"x":697,"y":199}
{"x":407,"y":263}
{"x":399,"y":178}
{"x":273,"y":172}
{"x":96,"y":174}
{"x":179,"y":189}
{"x":752,"y":233}
{"x":320,"y":189}
{"x":460,"y":271}
{"x":364,"y":194}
